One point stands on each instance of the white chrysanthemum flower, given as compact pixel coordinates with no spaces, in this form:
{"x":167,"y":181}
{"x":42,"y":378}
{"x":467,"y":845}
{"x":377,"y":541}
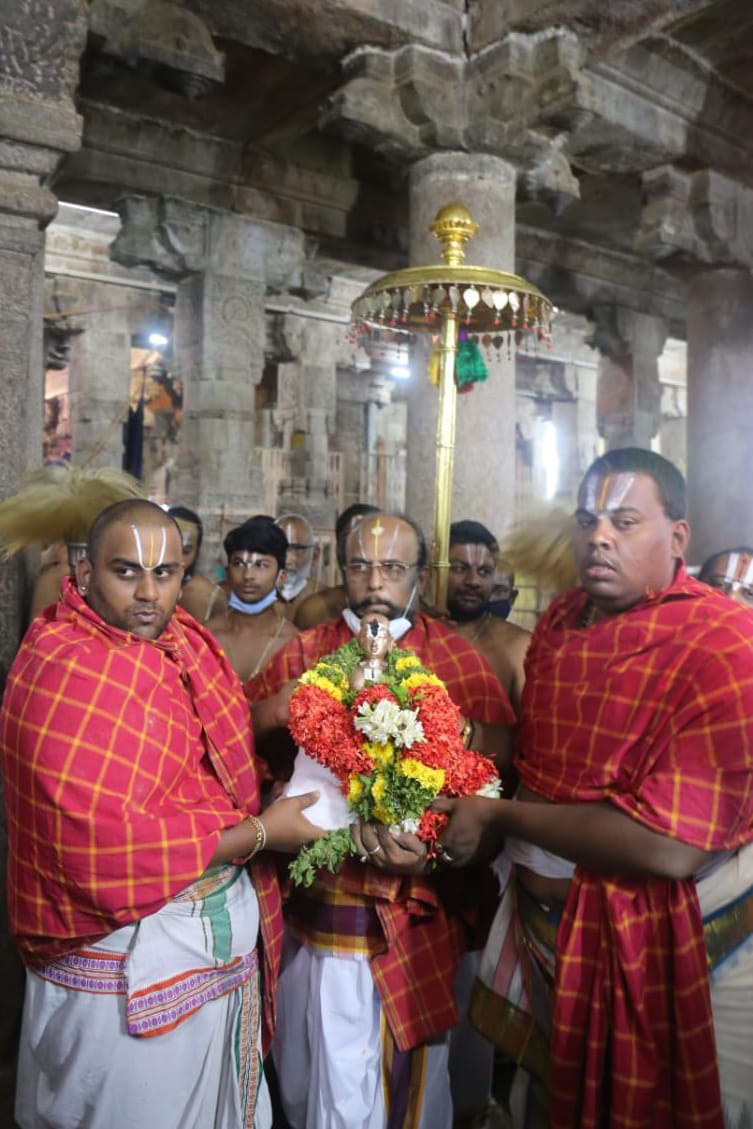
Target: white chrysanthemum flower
{"x":409,"y":826}
{"x":385,"y":722}
{"x":492,"y":789}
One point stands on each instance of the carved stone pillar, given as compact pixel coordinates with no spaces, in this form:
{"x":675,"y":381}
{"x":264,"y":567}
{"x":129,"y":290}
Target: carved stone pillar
{"x":628,"y":398}
{"x":720,"y":409}
{"x":483,"y":487}
{"x":306,"y":406}
{"x":219,"y":323}
{"x":699,"y":224}
{"x":224,"y":264}
{"x":39,"y":51}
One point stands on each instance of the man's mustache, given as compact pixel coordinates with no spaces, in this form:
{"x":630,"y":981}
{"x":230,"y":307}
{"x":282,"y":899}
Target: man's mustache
{"x":364,"y":606}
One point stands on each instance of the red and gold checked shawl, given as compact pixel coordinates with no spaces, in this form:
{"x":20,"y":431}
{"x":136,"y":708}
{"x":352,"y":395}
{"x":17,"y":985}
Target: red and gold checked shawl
{"x":422,"y":945}
{"x":124,"y":760}
{"x":651,"y":710}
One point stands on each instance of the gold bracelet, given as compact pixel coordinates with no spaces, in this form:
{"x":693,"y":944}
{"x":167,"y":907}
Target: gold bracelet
{"x":261,"y":838}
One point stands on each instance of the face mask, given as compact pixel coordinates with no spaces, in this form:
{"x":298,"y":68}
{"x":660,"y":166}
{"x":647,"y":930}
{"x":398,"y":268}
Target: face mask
{"x":500,"y":608}
{"x":294,"y":585}
{"x":238,"y":605}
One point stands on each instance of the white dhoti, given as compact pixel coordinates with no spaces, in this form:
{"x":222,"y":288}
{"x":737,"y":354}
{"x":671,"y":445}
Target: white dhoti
{"x":154,"y":1027}
{"x":724,"y":895}
{"x":329,"y":1052}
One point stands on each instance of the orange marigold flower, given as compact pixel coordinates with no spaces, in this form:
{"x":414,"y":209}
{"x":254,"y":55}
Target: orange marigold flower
{"x":468,"y":773}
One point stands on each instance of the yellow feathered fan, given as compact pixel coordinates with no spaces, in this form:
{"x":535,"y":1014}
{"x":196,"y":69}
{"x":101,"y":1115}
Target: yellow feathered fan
{"x":59,"y":503}
{"x":540,"y":548}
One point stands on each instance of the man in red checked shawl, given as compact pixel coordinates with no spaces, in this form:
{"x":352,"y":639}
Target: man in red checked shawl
{"x":366,"y":999}
{"x":619,"y":970}
{"x":133,"y":804}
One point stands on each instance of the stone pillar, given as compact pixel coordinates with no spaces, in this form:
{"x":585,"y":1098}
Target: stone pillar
{"x":219,"y":328}
{"x":484,"y":486}
{"x":720,"y":409}
{"x":39,"y":52}
{"x":628,"y":398}
{"x":699,"y":223}
{"x":100,"y":346}
{"x":223,"y":264}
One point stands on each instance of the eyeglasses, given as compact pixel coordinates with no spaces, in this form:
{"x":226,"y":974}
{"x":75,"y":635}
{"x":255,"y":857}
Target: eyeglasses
{"x":297,"y":547}
{"x":389,"y":570}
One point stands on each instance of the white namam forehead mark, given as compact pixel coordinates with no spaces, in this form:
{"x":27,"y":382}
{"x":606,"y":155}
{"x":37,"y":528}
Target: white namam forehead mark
{"x":605,"y":494}
{"x":151,"y":547}
{"x":244,"y":557}
{"x":376,"y":531}
{"x":739,"y":568}
{"x":476,"y":555}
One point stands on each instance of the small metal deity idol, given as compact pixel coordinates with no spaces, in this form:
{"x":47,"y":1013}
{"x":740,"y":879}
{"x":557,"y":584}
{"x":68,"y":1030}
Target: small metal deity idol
{"x":376,"y":643}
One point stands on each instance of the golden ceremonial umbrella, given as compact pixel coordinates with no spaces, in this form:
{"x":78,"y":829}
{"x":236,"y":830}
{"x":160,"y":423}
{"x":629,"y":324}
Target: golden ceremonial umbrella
{"x":440,"y":300}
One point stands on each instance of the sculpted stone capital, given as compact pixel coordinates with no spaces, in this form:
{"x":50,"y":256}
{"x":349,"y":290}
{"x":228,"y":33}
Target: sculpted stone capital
{"x":415,"y":99}
{"x":694,"y":219}
{"x":40,"y":45}
{"x":177,"y":238}
{"x":618,"y":332}
{"x":170,"y":43}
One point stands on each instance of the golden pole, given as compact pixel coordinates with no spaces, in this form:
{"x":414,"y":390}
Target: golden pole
{"x":445,"y":460}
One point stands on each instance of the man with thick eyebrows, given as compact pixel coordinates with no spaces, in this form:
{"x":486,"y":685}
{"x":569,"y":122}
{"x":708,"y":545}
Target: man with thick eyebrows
{"x":619,"y":970}
{"x":133,"y":809}
{"x":366,"y":998}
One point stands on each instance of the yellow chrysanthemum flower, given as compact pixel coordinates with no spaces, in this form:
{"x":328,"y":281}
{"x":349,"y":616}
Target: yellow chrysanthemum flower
{"x":382,"y":755}
{"x":414,"y":680}
{"x":384,"y":814}
{"x":378,"y":787}
{"x":430,"y":778}
{"x":407,"y":662}
{"x":327,"y":685}
{"x":355,"y":789}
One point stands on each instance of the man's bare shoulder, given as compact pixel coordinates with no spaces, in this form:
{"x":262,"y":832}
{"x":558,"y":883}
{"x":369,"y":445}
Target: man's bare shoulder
{"x":218,"y":625}
{"x":325,"y":604}
{"x":508,"y":632}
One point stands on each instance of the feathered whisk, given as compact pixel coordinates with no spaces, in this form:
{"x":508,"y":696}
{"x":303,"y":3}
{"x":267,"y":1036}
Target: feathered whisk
{"x":540,"y":548}
{"x":59,"y":503}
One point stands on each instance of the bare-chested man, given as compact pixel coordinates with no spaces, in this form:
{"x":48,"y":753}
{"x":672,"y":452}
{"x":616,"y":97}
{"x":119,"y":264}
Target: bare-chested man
{"x":253,"y":627}
{"x":473,"y":561}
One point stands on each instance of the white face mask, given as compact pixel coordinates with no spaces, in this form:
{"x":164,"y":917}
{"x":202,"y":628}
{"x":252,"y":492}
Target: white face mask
{"x":397,"y":627}
{"x":294,"y":584}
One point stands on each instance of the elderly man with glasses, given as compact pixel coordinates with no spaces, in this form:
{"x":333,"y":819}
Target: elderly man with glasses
{"x":366,"y":998}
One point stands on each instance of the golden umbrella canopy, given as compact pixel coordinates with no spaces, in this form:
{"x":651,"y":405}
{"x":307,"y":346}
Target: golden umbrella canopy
{"x":442,"y":299}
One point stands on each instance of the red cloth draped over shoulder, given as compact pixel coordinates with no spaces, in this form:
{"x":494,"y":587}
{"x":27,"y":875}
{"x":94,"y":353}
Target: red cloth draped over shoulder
{"x":423,"y":943}
{"x":652,"y":711}
{"x":124,"y":760}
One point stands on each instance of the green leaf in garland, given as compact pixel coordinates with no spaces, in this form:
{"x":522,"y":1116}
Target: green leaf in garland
{"x":327,"y":853}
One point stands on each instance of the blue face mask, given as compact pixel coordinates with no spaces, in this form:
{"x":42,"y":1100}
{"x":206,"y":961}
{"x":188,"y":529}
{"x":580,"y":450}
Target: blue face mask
{"x":500,"y":608}
{"x":238,"y":605}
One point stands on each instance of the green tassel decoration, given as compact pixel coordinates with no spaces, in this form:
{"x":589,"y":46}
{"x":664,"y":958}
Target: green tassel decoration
{"x":470,"y":368}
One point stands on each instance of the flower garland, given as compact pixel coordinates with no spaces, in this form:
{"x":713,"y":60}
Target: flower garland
{"x":393,"y":746}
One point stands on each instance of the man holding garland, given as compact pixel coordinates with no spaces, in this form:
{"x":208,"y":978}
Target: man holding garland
{"x":133,"y":806}
{"x":619,"y":971}
{"x":366,"y":999}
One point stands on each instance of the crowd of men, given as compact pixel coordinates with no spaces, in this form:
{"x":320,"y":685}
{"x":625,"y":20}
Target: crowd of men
{"x":594,"y":926}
